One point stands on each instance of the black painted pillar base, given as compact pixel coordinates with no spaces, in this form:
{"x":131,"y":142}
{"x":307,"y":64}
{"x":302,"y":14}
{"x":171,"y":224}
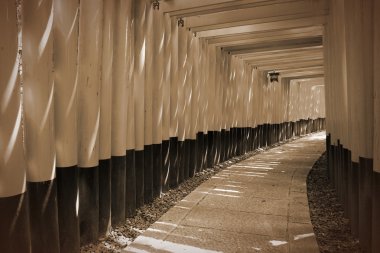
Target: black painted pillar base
{"x":354,"y":208}
{"x":345,"y":176}
{"x":104,"y":197}
{"x":205,"y":151}
{"x":376,"y":212}
{"x":139,"y":171}
{"x":365,"y":203}
{"x":148,"y":174}
{"x":165,"y":165}
{"x":88,"y":204}
{"x":210,"y":149}
{"x":186,"y":157}
{"x":157,"y":170}
{"x":181,"y":161}
{"x":14,"y":228}
{"x":130,"y":184}
{"x":173,"y":157}
{"x":223,"y":151}
{"x":193,"y":157}
{"x":200,"y":151}
{"x":68,"y":220}
{"x":43,"y":213}
{"x":118,"y":177}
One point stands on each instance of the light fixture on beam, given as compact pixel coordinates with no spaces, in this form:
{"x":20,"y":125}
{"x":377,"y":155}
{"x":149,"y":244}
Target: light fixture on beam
{"x":156,"y":5}
{"x":181,"y":22}
{"x":273,"y":76}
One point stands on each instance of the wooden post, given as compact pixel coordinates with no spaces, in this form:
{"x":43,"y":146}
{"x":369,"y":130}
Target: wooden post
{"x":14,"y":236}
{"x":174,"y":109}
{"x":166,"y":103}
{"x":158,"y":75}
{"x":130,"y":195}
{"x":139,"y":86}
{"x":148,"y":96}
{"x":66,"y":27}
{"x":39,"y":124}
{"x":182,"y":76}
{"x":90,"y":44}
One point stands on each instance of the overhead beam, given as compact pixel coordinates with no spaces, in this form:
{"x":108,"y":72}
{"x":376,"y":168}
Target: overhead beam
{"x":278,"y":45}
{"x":281,"y":67}
{"x":281,"y":52}
{"x":285,"y":61}
{"x":265,"y":38}
{"x":186,"y":8}
{"x":269,"y":26}
{"x":282,"y":10}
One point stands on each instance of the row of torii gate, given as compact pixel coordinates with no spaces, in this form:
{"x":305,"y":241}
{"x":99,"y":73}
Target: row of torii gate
{"x":107,"y":104}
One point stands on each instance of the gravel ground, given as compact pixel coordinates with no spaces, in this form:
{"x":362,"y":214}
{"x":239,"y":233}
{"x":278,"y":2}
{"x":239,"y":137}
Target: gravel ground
{"x":331,"y":228}
{"x":123,"y":235}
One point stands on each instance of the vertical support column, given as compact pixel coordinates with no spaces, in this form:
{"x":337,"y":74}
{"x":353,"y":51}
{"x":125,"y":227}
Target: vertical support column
{"x":166,"y":103}
{"x":211,"y":106}
{"x":203,"y":104}
{"x":148,"y":96}
{"x":66,"y":27}
{"x":139,"y":86}
{"x":105,"y":119}
{"x":182,"y":76}
{"x":158,"y":75}
{"x":195,"y":106}
{"x":130,"y":195}
{"x":189,"y":145}
{"x":39,"y":124}
{"x":90,"y":42}
{"x":359,"y":24}
{"x":120,"y":79}
{"x":14,"y":219}
{"x":174,"y":110}
{"x":376,"y":123}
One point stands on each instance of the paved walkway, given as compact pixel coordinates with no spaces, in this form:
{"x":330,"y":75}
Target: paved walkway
{"x":257,"y":205}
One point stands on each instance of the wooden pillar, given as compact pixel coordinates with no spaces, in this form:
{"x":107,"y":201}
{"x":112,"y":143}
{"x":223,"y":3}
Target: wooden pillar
{"x":14,"y":219}
{"x":189,"y":145}
{"x":139,"y":86}
{"x":166,"y":103}
{"x":39,"y":123}
{"x":195,"y":107}
{"x":130,"y":195}
{"x":148,"y":96}
{"x":158,"y":76}
{"x":359,"y":44}
{"x":376,"y":123}
{"x":90,"y":44}
{"x":203,"y":104}
{"x":174,"y":109}
{"x":118,"y":136}
{"x":211,"y":106}
{"x":182,"y":76}
{"x":106,"y":119}
{"x":66,"y":27}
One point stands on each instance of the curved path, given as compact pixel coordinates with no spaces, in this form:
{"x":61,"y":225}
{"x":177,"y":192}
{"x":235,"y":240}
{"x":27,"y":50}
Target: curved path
{"x":257,"y":205}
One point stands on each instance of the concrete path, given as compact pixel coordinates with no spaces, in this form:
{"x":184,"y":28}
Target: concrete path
{"x":257,"y":205}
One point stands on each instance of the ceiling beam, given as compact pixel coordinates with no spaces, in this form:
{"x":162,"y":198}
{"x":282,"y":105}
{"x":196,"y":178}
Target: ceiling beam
{"x":282,"y":10}
{"x":269,"y":26}
{"x":277,"y":45}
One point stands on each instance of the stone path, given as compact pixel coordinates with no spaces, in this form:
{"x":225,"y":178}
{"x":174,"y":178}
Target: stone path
{"x":257,"y":205}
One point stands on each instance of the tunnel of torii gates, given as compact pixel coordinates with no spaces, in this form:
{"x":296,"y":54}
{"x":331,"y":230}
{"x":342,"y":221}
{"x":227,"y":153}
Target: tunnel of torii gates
{"x":107,"y":104}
